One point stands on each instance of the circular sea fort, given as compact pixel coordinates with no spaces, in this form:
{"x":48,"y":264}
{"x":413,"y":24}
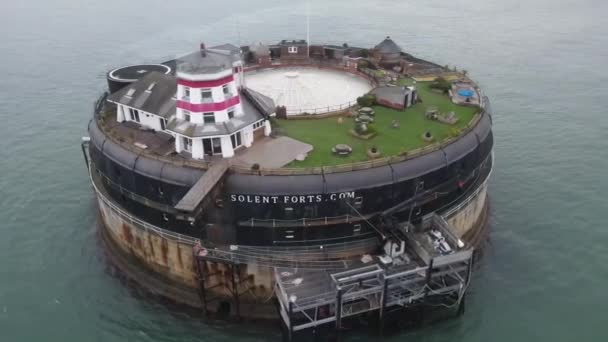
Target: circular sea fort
{"x":306,"y":183}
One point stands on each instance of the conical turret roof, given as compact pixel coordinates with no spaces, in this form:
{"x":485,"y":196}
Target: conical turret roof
{"x":388,"y":46}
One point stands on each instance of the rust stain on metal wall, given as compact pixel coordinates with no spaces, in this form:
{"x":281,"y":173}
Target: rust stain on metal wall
{"x":139,"y":244}
{"x":164,"y":248}
{"x":151,"y":246}
{"x":126,"y":233}
{"x":179,"y":257}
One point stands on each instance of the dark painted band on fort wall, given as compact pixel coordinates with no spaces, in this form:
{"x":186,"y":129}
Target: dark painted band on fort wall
{"x":473,"y":146}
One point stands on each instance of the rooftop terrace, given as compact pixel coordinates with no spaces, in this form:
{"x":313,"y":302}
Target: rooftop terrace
{"x":325,"y":133}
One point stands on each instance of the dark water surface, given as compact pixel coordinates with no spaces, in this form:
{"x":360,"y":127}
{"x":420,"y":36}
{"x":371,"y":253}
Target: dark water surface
{"x":543,"y":63}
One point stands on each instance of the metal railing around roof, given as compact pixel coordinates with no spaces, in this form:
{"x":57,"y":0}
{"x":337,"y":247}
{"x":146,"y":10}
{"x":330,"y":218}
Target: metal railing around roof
{"x":200,"y":164}
{"x":406,"y":155}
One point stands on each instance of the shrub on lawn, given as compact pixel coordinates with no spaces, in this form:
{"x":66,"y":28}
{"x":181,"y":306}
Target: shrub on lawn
{"x":366,"y":100}
{"x":442,"y":84}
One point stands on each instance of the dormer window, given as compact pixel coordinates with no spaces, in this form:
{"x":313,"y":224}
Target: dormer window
{"x":206,"y":95}
{"x":186,"y":92}
{"x":209,"y":117}
{"x":292,"y":49}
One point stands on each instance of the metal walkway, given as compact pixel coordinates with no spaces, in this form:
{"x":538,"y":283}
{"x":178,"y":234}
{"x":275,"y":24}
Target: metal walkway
{"x":203,"y":186}
{"x":311,"y":298}
{"x":232,"y":258}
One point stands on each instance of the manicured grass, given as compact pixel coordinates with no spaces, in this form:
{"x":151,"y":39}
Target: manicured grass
{"x":323,"y":134}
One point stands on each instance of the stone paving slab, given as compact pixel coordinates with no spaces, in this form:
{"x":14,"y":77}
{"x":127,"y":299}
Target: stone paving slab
{"x":272,"y":152}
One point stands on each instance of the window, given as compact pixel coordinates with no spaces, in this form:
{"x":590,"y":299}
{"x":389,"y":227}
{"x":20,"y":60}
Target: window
{"x":356,"y":229}
{"x":187,"y":144}
{"x":258,"y":124}
{"x":186,"y":115}
{"x":186,"y":92}
{"x":209,"y":117}
{"x":230,"y":113}
{"x":134,"y":114}
{"x":226,"y":91}
{"x":236,"y":139}
{"x":206,"y":95}
{"x":217,"y":145}
{"x":292,"y":49}
{"x":163,"y":124}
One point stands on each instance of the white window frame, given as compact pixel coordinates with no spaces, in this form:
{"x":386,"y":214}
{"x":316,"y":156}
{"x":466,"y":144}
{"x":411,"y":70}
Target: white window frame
{"x":186,"y":92}
{"x":134,"y":115}
{"x":234,"y":139}
{"x":226,"y":91}
{"x":206,"y":99}
{"x":187,"y":115}
{"x":292,"y":49}
{"x":206,"y":115}
{"x":187,"y":142}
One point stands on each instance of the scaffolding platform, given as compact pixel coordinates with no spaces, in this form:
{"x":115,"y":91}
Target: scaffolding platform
{"x":329,"y":257}
{"x":430,"y":264}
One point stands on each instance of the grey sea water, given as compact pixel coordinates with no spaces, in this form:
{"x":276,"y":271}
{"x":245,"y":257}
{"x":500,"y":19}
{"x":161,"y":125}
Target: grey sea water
{"x":544,"y":275}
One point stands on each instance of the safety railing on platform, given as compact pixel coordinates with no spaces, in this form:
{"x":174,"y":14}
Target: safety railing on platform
{"x":366,"y":288}
{"x":330,"y":256}
{"x":301,"y":222}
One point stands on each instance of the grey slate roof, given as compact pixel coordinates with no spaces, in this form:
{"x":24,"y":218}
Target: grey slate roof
{"x":227,"y":47}
{"x":260,"y":101}
{"x":187,"y":128}
{"x":388,"y":46}
{"x":209,"y":60}
{"x":299,"y":42}
{"x":157,"y":100}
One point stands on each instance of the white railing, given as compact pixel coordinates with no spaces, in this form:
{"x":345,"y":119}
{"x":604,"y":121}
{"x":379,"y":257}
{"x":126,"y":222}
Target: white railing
{"x":321,"y":110}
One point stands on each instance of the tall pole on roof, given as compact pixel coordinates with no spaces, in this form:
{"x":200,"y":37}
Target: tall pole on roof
{"x":308,"y":28}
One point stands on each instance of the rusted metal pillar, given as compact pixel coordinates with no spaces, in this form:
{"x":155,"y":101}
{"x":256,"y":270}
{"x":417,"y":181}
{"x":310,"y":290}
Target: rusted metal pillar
{"x":290,"y":327}
{"x":235,"y":291}
{"x":201,"y":285}
{"x":382,"y":307}
{"x":338,"y":314}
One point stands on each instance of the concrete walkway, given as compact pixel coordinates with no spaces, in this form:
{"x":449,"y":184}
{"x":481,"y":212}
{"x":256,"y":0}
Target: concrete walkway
{"x":272,"y":152}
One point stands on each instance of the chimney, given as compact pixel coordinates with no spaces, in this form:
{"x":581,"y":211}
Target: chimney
{"x":203,"y":50}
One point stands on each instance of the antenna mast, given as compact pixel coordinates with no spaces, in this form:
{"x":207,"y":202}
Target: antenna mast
{"x":308,"y":28}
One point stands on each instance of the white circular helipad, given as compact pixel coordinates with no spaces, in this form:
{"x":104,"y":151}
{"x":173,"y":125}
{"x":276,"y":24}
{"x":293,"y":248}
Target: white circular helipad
{"x":307,"y":89}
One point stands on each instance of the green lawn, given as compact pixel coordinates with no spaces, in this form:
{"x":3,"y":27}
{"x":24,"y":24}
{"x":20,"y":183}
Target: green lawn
{"x":323,"y":134}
